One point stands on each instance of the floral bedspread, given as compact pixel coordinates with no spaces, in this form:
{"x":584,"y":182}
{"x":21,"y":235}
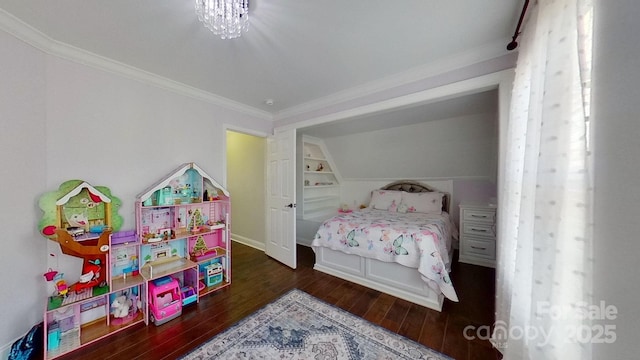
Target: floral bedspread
{"x":415,"y":240}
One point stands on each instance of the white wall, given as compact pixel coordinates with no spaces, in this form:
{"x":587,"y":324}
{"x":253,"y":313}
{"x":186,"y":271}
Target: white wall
{"x":23,"y":178}
{"x":62,"y":120}
{"x":457,"y":147}
{"x":616,"y":134}
{"x":461,"y":149}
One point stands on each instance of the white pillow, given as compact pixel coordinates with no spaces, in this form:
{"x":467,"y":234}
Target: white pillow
{"x":385,"y":200}
{"x":423,"y":202}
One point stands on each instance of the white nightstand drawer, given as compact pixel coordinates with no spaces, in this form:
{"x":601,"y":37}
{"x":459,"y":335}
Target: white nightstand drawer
{"x":479,"y":215}
{"x":479,"y":247}
{"x":479,"y":229}
{"x":478,"y":234}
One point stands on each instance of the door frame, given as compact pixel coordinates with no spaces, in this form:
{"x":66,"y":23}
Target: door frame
{"x":229,"y":127}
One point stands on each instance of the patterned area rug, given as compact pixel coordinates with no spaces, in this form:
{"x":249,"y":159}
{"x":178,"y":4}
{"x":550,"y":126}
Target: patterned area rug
{"x":299,"y":326}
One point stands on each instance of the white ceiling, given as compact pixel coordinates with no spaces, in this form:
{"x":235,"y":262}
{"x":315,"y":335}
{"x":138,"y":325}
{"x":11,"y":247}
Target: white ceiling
{"x":295,"y":52}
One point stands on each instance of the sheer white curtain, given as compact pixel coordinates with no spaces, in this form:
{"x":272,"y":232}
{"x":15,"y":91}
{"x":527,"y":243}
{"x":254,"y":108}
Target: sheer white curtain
{"x":544,"y":251}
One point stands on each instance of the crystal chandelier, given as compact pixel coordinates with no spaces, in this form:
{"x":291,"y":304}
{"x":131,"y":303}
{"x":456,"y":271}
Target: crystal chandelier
{"x":227,"y":18}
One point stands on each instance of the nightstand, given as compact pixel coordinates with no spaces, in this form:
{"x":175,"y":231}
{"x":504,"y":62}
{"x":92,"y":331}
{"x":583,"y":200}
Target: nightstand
{"x":478,"y":234}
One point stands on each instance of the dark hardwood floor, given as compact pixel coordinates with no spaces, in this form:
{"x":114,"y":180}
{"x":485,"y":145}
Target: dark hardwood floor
{"x":258,"y":280}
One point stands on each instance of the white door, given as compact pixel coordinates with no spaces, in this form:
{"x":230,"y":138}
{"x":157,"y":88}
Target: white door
{"x":281,"y":197}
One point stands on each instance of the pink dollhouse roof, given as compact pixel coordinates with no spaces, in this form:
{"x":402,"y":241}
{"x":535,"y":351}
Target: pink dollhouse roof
{"x":75,"y":191}
{"x":164,"y":182}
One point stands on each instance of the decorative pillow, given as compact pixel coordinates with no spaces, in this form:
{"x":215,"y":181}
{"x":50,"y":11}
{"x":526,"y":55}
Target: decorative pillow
{"x":385,"y":200}
{"x":423,"y":202}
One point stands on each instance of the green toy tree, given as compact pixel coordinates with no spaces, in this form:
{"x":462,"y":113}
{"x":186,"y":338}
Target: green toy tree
{"x":200,"y":246}
{"x":196,"y":219}
{"x":84,"y":202}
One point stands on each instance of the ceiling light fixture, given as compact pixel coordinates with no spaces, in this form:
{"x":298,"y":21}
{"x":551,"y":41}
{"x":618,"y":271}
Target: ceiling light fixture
{"x":227,"y":18}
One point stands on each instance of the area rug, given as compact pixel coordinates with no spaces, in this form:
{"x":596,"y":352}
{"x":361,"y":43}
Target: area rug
{"x":299,"y":326}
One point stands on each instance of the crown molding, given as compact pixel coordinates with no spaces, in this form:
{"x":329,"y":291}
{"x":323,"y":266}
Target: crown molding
{"x":455,"y":62}
{"x":32,"y":36}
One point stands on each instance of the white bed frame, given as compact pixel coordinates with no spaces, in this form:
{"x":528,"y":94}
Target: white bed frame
{"x":390,"y":278}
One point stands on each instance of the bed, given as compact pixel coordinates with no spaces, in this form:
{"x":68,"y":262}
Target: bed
{"x":401,"y":244}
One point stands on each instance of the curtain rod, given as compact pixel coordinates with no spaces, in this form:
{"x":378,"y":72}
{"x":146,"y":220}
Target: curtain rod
{"x":514,"y":44}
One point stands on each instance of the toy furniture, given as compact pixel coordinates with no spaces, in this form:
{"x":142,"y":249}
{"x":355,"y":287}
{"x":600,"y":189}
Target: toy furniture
{"x":213,"y":274}
{"x":189,"y":295}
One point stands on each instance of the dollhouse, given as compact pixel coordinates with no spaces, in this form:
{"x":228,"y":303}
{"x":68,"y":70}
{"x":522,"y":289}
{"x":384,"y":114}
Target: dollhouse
{"x":182,"y":223}
{"x":179,"y":252}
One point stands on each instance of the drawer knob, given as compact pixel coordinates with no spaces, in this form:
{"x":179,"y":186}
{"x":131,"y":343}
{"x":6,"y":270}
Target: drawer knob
{"x":479,"y":230}
{"x":478,"y":216}
{"x":478,"y":248}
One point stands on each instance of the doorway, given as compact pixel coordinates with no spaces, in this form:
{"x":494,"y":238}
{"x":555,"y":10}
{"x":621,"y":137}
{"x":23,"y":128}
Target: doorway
{"x":246,"y":159}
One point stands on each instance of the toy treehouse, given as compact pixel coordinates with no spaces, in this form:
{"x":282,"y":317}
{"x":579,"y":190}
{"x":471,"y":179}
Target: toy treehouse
{"x":182,"y":223}
{"x":107,"y":296}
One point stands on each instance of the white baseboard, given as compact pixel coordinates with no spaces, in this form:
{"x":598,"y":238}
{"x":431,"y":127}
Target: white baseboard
{"x":260,"y":246}
{"x":6,"y":348}
{"x":304,"y":241}
{"x":249,"y":242}
{"x":4,"y":351}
